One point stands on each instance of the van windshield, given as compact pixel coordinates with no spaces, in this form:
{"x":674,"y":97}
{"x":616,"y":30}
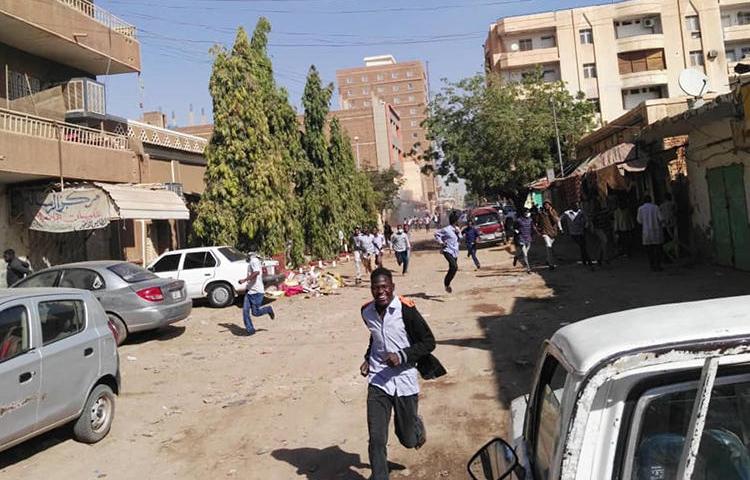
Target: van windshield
{"x":485,"y":218}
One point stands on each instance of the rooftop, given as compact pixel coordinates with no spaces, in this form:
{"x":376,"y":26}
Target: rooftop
{"x":587,"y":343}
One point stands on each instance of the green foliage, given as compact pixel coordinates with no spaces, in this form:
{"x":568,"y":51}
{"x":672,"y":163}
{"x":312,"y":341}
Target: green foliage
{"x":386,"y":184}
{"x":500,"y":136}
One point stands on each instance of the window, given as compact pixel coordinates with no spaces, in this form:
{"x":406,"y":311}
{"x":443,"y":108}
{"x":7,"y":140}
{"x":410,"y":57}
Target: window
{"x":394,"y":75}
{"x":587,"y":36}
{"x":548,"y":41}
{"x":81,"y":278}
{"x":589,"y":70}
{"x":232,"y":254}
{"x":696,"y":58}
{"x":195,"y":260}
{"x":133,"y":273}
{"x":412,"y":111}
{"x":411,"y":98}
{"x":168,"y":263}
{"x":410,"y":86}
{"x":43,"y":279}
{"x":349,"y":80}
{"x":743,"y":18}
{"x":596,"y":104}
{"x":414,"y":123}
{"x":414,"y":135}
{"x":18,"y":87}
{"x":641,"y":61}
{"x":525,"y":44}
{"x":349,"y":93}
{"x":396,"y":100}
{"x":661,"y":421}
{"x":380,"y":76}
{"x":409,"y":74}
{"x":692,"y":23}
{"x":366,"y":103}
{"x":549,"y":75}
{"x":381,"y":89}
{"x":726,"y":20}
{"x":731,"y":55}
{"x":365,"y":91}
{"x":61,"y":319}
{"x":14,"y":332}
{"x":548,"y":416}
{"x":744,"y":52}
{"x":396,"y":88}
{"x":364,"y":78}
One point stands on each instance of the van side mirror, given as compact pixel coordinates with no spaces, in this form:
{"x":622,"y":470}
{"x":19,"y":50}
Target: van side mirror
{"x":494,"y":461}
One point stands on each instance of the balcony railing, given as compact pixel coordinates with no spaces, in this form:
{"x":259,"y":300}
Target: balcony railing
{"x":163,"y":137}
{"x":102,"y":16}
{"x":46,"y":129}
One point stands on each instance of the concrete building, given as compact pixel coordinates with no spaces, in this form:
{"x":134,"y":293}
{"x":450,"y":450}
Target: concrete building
{"x":404,"y":85}
{"x":57,"y":134}
{"x":623,"y":53}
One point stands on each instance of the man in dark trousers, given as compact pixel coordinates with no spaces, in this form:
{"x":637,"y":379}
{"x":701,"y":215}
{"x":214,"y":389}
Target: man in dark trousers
{"x":16,"y":269}
{"x":399,"y":350}
{"x":471,"y":234}
{"x":447,"y":237}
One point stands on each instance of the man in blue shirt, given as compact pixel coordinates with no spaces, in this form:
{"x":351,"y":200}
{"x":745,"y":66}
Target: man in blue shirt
{"x":447,"y":237}
{"x":471,"y":234}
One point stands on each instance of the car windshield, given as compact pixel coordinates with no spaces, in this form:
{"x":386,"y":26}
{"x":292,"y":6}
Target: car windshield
{"x":131,"y":273}
{"x":485,"y":218}
{"x":232,"y":254}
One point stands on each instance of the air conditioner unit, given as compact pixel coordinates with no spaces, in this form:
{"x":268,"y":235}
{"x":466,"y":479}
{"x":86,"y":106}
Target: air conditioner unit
{"x":649,"y":22}
{"x":712,"y":54}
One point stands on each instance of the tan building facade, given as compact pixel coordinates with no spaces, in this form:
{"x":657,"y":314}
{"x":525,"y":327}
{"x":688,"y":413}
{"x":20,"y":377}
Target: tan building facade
{"x":627,"y":52}
{"x":404,"y":85}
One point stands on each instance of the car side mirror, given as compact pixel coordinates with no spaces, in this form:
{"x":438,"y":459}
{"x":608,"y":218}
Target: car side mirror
{"x":494,"y":461}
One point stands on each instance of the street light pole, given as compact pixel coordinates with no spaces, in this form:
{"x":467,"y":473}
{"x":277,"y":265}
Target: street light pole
{"x":356,"y":143}
{"x":557,"y":137}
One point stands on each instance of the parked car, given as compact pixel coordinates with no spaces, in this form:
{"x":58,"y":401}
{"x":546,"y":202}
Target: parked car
{"x":489,"y":223}
{"x":641,"y":394}
{"x":209,"y":272}
{"x":134,"y":298}
{"x":58,"y":364}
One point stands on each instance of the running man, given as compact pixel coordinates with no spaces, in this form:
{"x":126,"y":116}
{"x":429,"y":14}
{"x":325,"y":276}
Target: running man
{"x":447,"y":237}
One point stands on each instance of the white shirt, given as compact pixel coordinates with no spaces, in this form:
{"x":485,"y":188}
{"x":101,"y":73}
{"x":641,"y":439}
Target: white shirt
{"x":389,"y":336}
{"x":256,"y":286}
{"x":379,"y":241}
{"x":368,"y":247}
{"x":650,"y":218}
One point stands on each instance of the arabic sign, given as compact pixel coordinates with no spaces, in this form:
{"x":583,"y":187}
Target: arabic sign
{"x":71,"y":210}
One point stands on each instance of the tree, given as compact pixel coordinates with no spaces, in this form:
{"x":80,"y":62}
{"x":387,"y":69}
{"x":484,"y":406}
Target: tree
{"x":386,"y":184}
{"x":321,"y":202}
{"x":500,"y":136}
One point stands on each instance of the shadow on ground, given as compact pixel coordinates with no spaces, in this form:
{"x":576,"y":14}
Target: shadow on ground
{"x":327,"y":463}
{"x":572,"y":293}
{"x":163,"y":334}
{"x":32,"y":447}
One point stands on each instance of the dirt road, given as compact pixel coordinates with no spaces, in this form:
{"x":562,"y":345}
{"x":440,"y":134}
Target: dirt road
{"x":201,"y":400}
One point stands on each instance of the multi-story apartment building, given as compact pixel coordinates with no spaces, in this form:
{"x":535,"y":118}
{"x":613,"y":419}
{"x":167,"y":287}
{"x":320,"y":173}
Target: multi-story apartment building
{"x":404,"y":85}
{"x":623,"y":53}
{"x":57,"y":134}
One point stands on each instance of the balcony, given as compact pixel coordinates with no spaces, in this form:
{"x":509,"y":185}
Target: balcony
{"x":527,"y":57}
{"x":162,"y":137}
{"x":640,"y":42}
{"x":736,"y":32}
{"x":642,"y":79}
{"x":37,"y":147}
{"x":527,"y":23}
{"x":75,"y":33}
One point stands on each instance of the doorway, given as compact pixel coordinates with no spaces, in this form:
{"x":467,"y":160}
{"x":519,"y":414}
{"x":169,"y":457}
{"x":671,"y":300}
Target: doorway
{"x":731,"y":230}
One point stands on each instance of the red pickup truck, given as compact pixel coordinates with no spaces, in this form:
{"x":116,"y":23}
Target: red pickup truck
{"x":490,"y":225}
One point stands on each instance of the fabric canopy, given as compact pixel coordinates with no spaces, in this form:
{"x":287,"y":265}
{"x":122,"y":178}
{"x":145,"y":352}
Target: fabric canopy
{"x":144,"y":202}
{"x":624,"y":155}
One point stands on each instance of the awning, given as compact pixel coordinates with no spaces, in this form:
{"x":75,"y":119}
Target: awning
{"x":624,"y":155}
{"x":144,"y":202}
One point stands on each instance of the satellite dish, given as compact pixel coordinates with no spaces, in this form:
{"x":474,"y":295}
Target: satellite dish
{"x":514,"y":47}
{"x":693,"y":82}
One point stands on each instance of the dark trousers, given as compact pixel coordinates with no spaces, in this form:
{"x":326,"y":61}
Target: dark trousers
{"x":452,"y":268}
{"x":472,"y":248}
{"x":402,"y":258}
{"x":581,"y":241}
{"x":654,"y":256}
{"x":409,"y":427}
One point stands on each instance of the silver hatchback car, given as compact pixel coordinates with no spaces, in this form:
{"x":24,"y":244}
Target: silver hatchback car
{"x":58,"y":364}
{"x":134,"y":298}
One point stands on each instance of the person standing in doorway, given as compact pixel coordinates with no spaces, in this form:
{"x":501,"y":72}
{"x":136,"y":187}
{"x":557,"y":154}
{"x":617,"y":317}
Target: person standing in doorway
{"x":524,"y":230}
{"x":574,"y":222}
{"x":388,"y":232}
{"x":471,"y":234}
{"x":624,"y":224}
{"x":548,"y":224}
{"x":447,"y":237}
{"x":15,"y":268}
{"x":255,"y":292}
{"x":602,"y":226}
{"x":399,"y":350}
{"x":401,"y":245}
{"x":650,"y":219}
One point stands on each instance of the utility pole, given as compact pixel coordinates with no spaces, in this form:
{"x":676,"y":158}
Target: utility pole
{"x":557,"y":138}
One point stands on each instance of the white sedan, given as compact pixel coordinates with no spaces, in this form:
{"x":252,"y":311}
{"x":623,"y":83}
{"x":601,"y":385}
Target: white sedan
{"x":208,"y":272}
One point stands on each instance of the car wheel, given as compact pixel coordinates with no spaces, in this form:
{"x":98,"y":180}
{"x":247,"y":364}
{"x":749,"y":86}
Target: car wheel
{"x":96,"y":418}
{"x":122,"y":330}
{"x":220,"y":295}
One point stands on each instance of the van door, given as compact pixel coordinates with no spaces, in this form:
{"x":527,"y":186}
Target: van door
{"x":20,"y":374}
{"x":70,"y":360}
{"x":197,"y":270}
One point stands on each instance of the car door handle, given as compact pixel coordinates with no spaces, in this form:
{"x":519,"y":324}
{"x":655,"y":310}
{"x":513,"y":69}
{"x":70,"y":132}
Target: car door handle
{"x":25,"y":377}
{"x":88,"y":352}
{"x":206,"y":274}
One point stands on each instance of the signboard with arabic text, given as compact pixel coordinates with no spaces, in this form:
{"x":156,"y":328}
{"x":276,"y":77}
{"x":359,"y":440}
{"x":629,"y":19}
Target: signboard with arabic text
{"x":71,"y":210}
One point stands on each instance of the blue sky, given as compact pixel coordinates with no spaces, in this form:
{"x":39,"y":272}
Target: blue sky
{"x":176,"y":35}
